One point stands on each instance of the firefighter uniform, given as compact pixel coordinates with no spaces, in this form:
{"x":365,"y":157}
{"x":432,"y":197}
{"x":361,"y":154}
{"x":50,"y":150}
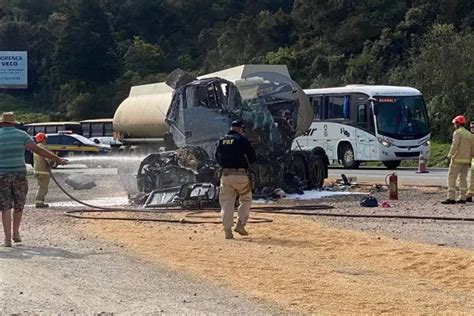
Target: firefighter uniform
{"x":470,"y":192}
{"x":234,"y":154}
{"x":42,"y":176}
{"x":460,"y":156}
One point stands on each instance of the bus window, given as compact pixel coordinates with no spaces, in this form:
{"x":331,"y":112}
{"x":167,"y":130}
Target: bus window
{"x":97,"y":130}
{"x":75,"y":128}
{"x":336,"y":106}
{"x":51,"y":129}
{"x":39,"y":129}
{"x":316,"y":102}
{"x":324,"y":109}
{"x":362,"y":116}
{"x":108,"y":129}
{"x":86,"y":129}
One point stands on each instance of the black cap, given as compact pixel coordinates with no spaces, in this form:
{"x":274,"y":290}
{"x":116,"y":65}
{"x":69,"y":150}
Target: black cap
{"x":237,"y":123}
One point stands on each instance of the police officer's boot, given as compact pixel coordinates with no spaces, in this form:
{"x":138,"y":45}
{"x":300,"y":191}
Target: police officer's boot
{"x":228,"y":233}
{"x":239,"y":228}
{"x":448,"y":201}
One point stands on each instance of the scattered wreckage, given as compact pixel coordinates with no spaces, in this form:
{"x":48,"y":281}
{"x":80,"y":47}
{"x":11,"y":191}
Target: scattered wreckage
{"x":274,"y":110}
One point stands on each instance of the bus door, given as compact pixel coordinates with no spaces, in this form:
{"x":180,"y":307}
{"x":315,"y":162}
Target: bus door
{"x":365,"y":141}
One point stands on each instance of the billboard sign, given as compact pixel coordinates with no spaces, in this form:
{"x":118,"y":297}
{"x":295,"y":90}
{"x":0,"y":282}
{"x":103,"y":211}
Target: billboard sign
{"x":13,"y":70}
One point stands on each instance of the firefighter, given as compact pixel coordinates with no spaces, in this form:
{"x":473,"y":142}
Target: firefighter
{"x":235,"y":154}
{"x":460,"y":158}
{"x":41,"y":166}
{"x":470,"y":193}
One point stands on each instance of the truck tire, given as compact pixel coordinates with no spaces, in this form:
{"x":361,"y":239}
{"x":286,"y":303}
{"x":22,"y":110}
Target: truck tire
{"x":348,"y":157}
{"x":299,"y":168}
{"x":317,"y":172}
{"x":392,"y":164}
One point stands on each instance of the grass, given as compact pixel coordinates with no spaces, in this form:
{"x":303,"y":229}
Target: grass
{"x":24,"y":112}
{"x":439,"y":151}
{"x":437,"y":158}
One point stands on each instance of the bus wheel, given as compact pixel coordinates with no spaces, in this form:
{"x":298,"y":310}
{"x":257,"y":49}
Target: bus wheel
{"x":317,"y":172}
{"x":392,"y":164}
{"x":348,"y":158}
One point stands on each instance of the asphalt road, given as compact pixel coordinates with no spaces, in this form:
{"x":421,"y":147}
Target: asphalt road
{"x":407,"y":176}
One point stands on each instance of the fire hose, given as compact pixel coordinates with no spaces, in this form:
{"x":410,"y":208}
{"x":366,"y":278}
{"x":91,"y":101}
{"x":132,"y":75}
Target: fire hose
{"x":307,"y":209}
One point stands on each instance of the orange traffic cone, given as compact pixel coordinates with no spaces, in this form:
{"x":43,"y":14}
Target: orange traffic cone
{"x":422,"y":164}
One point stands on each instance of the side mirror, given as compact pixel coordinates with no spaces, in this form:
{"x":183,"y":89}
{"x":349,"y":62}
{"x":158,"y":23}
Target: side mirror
{"x":77,"y":144}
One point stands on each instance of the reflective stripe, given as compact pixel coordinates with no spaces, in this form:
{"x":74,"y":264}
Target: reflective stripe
{"x":462,"y":161}
{"x":72,"y":148}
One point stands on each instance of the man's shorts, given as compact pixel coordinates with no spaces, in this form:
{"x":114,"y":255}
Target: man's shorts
{"x":13,"y":190}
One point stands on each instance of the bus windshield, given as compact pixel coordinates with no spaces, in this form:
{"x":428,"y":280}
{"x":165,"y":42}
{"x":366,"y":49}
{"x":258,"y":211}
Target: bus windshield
{"x":402,"y":117}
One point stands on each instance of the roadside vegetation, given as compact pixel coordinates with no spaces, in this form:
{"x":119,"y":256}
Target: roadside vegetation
{"x":23,"y":110}
{"x":85,"y":54}
{"x":437,"y":159}
{"x":438,"y":156}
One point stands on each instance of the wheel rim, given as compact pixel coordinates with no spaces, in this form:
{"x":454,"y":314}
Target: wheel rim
{"x":317,"y":174}
{"x":349,"y":156}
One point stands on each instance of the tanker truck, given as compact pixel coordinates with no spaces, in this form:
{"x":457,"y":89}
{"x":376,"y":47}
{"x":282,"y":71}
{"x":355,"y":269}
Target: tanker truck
{"x":180,"y":122}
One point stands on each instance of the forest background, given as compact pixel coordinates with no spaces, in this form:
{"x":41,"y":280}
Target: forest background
{"x":84,"y":55}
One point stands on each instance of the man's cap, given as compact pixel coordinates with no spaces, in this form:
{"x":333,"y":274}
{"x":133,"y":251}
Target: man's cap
{"x":8,"y":117}
{"x":459,"y":120}
{"x":237,"y":123}
{"x":40,"y":137}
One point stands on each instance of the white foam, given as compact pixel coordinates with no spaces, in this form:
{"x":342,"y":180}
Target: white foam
{"x":308,"y":195}
{"x":111,"y":201}
{"x":315,"y":194}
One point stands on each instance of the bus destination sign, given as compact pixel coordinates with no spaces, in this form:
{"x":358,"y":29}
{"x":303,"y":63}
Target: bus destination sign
{"x":388,"y":100}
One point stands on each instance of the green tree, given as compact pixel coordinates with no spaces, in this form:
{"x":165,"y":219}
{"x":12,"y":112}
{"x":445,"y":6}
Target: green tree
{"x":143,"y":58}
{"x":85,"y":50}
{"x":444,"y":71}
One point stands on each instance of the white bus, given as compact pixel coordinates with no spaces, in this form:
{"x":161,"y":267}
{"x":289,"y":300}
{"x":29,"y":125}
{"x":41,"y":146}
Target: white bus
{"x":358,"y":123}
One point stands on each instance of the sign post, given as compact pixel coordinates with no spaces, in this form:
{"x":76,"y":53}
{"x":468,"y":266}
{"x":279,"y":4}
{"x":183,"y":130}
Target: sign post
{"x":13,"y":70}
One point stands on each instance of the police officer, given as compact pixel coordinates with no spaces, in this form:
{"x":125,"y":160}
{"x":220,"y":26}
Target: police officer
{"x":470,"y":193}
{"x":235,"y":154}
{"x":41,"y":166}
{"x":460,"y":156}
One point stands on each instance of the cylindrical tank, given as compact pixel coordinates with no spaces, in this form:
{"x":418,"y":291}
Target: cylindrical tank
{"x":143,"y":113}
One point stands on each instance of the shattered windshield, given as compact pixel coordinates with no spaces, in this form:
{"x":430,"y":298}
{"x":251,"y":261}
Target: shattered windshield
{"x":271,"y":86}
{"x":402,"y":117}
{"x":269,"y":102}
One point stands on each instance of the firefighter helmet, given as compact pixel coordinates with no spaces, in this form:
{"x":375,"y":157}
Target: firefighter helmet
{"x":461,"y":120}
{"x":40,"y":137}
